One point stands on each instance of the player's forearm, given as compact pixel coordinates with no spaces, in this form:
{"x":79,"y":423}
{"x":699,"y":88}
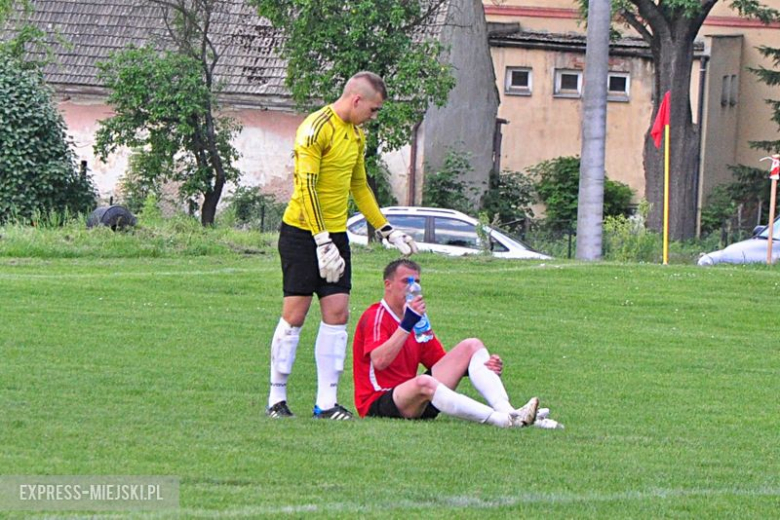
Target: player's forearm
{"x":383,"y":355}
{"x":366,"y":203}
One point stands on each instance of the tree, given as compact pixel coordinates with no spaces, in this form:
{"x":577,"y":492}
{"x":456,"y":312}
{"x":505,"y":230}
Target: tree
{"x":594,"y":132}
{"x":165,"y":105}
{"x":329,"y":40}
{"x":37,"y":166}
{"x":670,"y":28}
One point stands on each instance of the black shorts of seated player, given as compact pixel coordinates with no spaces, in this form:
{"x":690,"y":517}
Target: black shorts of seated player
{"x":385,"y":407}
{"x":300,"y":270}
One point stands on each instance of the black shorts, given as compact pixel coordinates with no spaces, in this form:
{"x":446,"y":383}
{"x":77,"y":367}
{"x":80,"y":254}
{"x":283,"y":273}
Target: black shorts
{"x":300,"y":270}
{"x":385,"y":407}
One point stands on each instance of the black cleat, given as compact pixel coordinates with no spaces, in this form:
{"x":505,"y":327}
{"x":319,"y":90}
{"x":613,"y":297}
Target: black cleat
{"x":279,"y":411}
{"x":337,"y":413}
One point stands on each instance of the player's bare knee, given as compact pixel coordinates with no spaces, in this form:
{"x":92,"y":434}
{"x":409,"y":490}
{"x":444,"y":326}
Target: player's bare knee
{"x":473,"y":345}
{"x":336,"y":317}
{"x":426,"y":385}
{"x":294,"y":319}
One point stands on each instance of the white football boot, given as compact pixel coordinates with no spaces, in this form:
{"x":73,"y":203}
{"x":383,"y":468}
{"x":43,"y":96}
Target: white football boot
{"x":526,"y":415}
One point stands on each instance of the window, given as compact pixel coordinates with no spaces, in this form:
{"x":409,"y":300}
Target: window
{"x":412,"y":225}
{"x":568,"y":83}
{"x":519,"y":81}
{"x":451,"y":232}
{"x":618,"y":86}
{"x":734,"y":90}
{"x":725,"y":90}
{"x":497,"y":247}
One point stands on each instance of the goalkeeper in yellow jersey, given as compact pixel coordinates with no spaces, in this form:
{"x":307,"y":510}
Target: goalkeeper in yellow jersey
{"x":313,"y":244}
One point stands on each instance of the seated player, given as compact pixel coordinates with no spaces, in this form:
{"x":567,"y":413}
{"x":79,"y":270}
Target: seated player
{"x":387,"y":356}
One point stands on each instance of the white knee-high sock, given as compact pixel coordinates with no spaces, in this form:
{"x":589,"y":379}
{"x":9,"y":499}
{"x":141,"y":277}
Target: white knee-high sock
{"x":488,"y":383}
{"x":283,"y":347}
{"x":329,"y":352}
{"x":459,"y":405}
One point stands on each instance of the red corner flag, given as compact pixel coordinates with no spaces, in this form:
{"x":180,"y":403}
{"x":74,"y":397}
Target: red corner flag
{"x":661,"y":120}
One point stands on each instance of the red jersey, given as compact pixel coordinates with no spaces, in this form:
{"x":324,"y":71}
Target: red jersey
{"x":376,"y":325}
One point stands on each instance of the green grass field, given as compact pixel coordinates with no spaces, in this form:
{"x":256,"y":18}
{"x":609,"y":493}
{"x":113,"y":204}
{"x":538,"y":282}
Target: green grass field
{"x":665,"y":377}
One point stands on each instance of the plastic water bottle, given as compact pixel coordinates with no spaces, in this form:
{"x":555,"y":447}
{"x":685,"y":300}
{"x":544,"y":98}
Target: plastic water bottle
{"x":422,"y":329}
{"x":548,"y":424}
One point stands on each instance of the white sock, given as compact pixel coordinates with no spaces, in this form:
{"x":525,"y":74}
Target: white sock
{"x":329,"y":352}
{"x":488,"y":383}
{"x":284,"y":332}
{"x":459,"y":405}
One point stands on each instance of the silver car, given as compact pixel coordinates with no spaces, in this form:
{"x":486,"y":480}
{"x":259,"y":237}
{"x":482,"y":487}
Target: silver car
{"x":443,"y":231}
{"x":750,"y":251}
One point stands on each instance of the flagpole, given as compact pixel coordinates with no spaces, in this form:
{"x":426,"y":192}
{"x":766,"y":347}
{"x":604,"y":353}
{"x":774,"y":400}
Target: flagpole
{"x":774,"y":174}
{"x":769,"y":238}
{"x":666,"y":194}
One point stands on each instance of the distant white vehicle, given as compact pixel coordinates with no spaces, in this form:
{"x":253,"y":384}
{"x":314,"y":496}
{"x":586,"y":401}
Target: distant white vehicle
{"x":443,"y":231}
{"x":750,"y":251}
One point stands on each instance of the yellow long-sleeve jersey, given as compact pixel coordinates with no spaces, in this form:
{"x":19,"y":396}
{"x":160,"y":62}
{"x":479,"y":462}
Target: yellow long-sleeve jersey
{"x":329,"y":165}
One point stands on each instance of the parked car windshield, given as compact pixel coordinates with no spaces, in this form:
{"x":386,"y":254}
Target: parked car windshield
{"x":775,"y":231}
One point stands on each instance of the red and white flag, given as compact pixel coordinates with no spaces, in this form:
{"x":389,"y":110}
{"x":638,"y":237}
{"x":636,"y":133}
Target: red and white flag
{"x":774,"y":171}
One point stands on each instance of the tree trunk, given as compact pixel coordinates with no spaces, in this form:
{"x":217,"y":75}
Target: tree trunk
{"x":208,"y":210}
{"x":211,"y":198}
{"x":590,"y":206}
{"x":674,"y":59}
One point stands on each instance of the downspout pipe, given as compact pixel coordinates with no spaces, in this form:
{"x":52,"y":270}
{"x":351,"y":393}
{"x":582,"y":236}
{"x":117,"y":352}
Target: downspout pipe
{"x":412,"y":184}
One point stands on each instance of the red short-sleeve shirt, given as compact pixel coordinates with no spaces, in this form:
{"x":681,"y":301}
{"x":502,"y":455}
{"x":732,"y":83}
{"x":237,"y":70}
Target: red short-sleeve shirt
{"x":376,"y":325}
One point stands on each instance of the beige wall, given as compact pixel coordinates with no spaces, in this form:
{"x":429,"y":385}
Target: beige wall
{"x":265,"y":143}
{"x":543,"y":127}
{"x":720,"y":120}
{"x":752,"y":115}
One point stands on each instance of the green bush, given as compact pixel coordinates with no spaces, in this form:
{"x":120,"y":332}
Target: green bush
{"x":558,"y":186}
{"x":627,"y":240}
{"x":250,"y":208}
{"x":749,"y":187}
{"x":508,"y":200}
{"x":447,"y":188}
{"x":38,"y":171}
{"x":139,"y":182}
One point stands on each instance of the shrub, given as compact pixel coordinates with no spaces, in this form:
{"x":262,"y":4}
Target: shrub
{"x":37,"y":166}
{"x":558,"y":186}
{"x":139,"y":182}
{"x":447,"y":188}
{"x":626,"y":239}
{"x":507,"y":202}
{"x":250,"y":208}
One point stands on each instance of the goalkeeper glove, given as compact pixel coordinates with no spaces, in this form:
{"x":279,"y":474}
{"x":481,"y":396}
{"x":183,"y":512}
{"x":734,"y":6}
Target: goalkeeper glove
{"x":328,"y":258}
{"x":403,"y":242}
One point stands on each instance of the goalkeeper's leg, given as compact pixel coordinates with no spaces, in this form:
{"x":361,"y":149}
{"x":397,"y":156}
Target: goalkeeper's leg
{"x":283,"y":348}
{"x":330,"y":349}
